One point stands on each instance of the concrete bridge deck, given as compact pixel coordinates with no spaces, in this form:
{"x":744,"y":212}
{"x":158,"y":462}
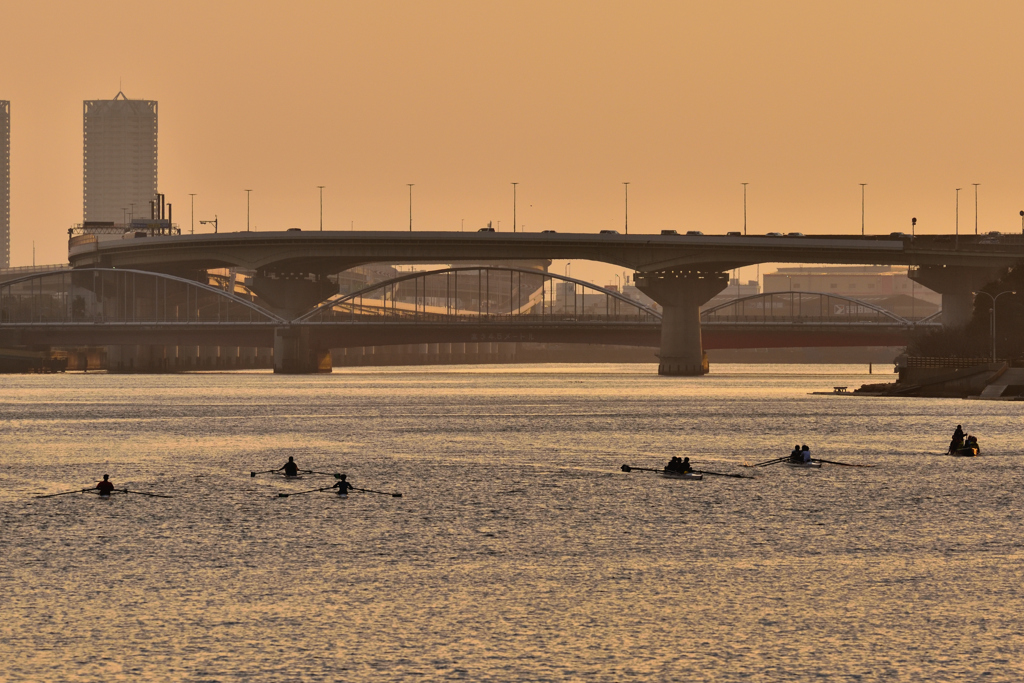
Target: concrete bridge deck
{"x":331,"y":252}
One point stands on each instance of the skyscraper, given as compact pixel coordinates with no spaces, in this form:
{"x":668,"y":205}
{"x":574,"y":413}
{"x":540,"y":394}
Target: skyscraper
{"x":5,"y":184}
{"x":120,"y":158}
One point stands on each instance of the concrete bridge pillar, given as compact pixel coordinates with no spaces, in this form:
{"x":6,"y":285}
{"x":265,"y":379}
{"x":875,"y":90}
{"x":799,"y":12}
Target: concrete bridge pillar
{"x":957,"y":285}
{"x":295,"y":353}
{"x":681,"y":294}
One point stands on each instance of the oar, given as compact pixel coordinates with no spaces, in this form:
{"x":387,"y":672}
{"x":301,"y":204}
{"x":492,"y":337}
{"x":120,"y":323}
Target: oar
{"x":627,"y":468}
{"x":144,"y":493}
{"x":383,"y":493}
{"x":51,"y":495}
{"x":721,"y":474}
{"x":299,"y":493}
{"x":326,"y":474}
{"x":844,"y":464}
{"x":253,"y":474}
{"x":767,"y":462}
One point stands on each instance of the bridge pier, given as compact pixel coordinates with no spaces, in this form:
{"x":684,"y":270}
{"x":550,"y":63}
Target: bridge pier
{"x":957,"y":285}
{"x":296,"y":354}
{"x":681,"y":294}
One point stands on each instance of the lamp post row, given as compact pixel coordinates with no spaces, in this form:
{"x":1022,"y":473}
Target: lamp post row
{"x":625,"y":186}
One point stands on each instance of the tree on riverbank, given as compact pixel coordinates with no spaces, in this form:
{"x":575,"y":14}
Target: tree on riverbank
{"x":974,"y":340}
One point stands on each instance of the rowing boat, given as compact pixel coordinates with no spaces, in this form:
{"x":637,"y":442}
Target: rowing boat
{"x":692,"y":476}
{"x":805,"y":465}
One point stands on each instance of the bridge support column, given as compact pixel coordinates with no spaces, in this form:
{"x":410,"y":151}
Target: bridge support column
{"x":295,"y":354}
{"x":957,"y":285}
{"x":680,"y":294}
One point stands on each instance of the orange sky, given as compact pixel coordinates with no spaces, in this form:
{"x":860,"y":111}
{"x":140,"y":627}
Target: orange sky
{"x":803,"y":100}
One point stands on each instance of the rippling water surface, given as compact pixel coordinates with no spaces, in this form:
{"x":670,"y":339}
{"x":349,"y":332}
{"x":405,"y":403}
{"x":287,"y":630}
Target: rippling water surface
{"x":518,"y":551}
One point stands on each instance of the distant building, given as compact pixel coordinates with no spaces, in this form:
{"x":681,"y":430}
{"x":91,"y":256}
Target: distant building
{"x":735,"y":290}
{"x":120,"y":158}
{"x":5,"y":184}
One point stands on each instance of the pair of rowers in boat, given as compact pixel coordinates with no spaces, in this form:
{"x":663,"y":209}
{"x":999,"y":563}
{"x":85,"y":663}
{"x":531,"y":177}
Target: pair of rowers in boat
{"x":291,"y":469}
{"x":964,"y":445}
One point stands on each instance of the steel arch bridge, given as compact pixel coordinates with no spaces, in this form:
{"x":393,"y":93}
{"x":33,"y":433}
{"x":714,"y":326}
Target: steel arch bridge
{"x":95,"y":306}
{"x":475,"y":293}
{"x":123,"y":297}
{"x":816,"y":307}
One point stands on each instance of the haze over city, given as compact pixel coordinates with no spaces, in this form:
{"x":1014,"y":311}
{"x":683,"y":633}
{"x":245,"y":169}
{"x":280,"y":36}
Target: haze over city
{"x":685,"y":101}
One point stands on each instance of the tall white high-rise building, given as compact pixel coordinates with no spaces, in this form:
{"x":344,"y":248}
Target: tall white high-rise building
{"x":120,"y":158}
{"x":5,"y":184}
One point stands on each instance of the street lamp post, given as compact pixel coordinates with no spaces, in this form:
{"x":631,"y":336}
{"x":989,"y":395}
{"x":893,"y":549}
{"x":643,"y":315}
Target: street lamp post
{"x":626,"y":186}
{"x":514,"y":206}
{"x":975,"y":207}
{"x":193,"y":196}
{"x":214,"y":221}
{"x":994,"y":299}
{"x":957,"y":223}
{"x":410,"y":205}
{"x":913,"y":294}
{"x":321,"y":207}
{"x":1022,"y":222}
{"x":862,"y":185}
{"x":247,"y":210}
{"x":744,"y":207}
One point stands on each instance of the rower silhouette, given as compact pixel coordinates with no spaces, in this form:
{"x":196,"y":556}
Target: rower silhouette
{"x":290,"y":468}
{"x":106,"y":486}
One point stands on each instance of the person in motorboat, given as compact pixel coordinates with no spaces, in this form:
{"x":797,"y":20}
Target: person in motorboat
{"x":342,"y":485}
{"x":105,"y":487}
{"x":797,"y":455}
{"x":290,"y":468}
{"x":805,"y":454}
{"x":957,"y":441}
{"x":972,"y":443}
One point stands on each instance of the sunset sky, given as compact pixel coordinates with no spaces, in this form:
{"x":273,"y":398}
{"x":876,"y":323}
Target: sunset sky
{"x":803,"y":100}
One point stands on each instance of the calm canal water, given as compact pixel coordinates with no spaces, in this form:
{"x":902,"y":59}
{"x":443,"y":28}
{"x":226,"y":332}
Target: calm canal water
{"x":519,"y":551}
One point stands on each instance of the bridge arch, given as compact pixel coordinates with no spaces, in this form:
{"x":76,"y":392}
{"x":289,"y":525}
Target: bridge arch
{"x":475,"y":293}
{"x":122,"y":296}
{"x":799,"y":306}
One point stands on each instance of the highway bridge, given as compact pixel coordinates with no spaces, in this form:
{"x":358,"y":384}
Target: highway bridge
{"x":155,"y":318}
{"x":680,"y":272}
